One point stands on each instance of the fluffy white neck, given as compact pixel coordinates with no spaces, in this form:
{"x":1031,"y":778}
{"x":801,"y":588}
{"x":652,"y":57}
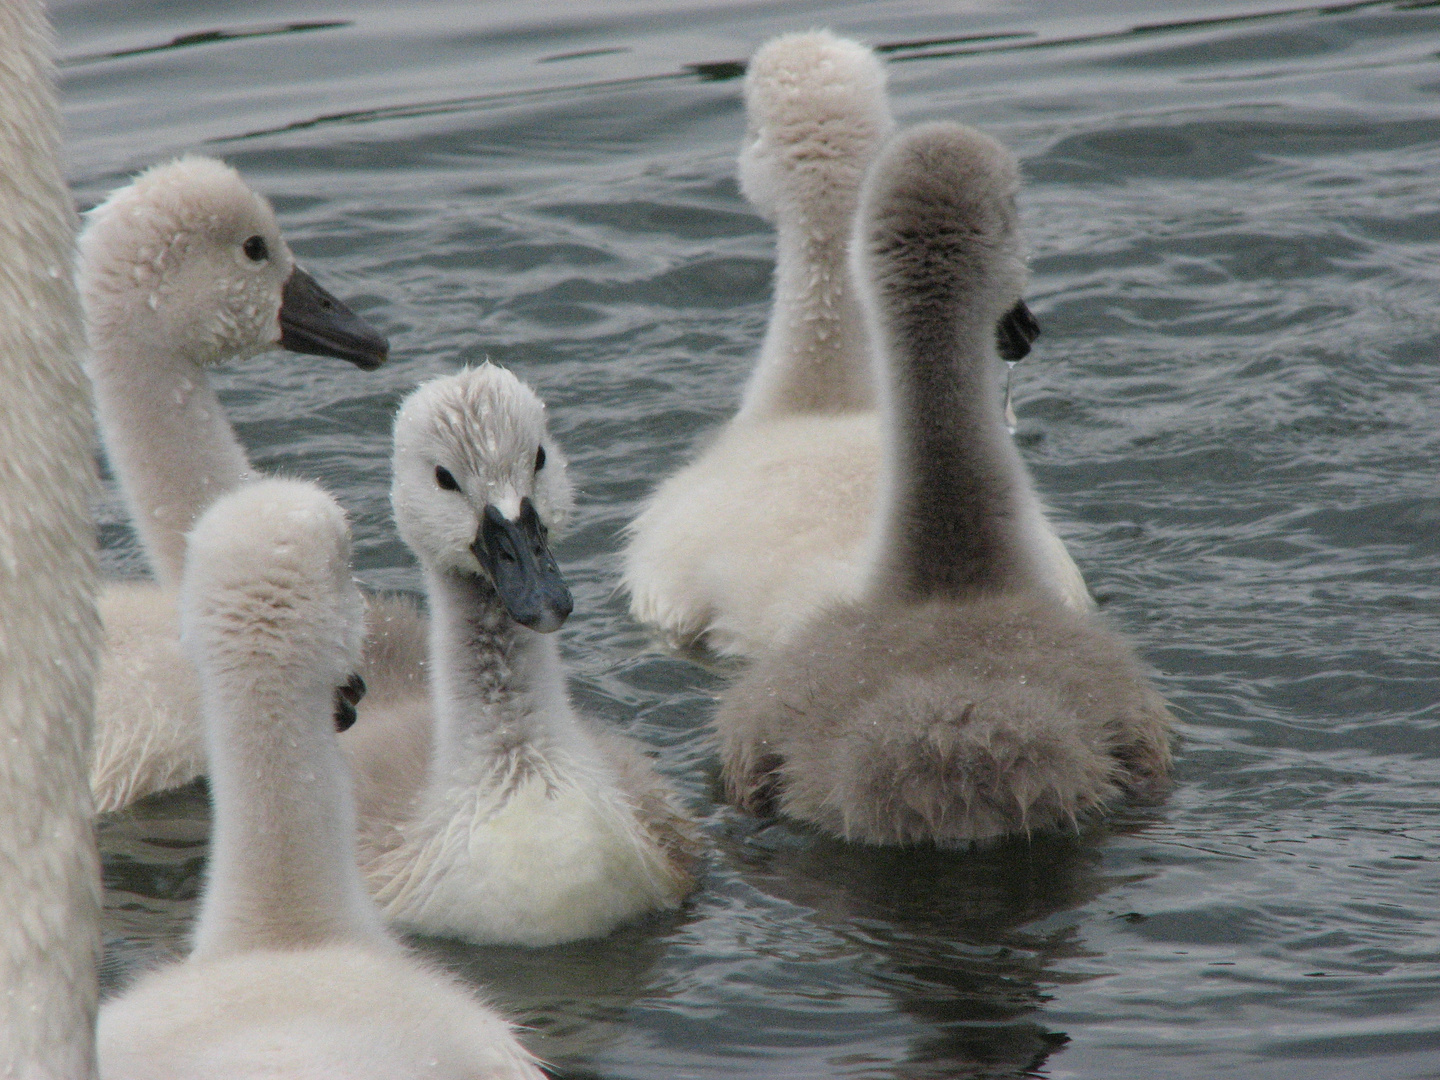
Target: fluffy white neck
{"x":166,"y":436}
{"x":282,"y":854}
{"x":816,"y":353}
{"x":49,"y":630}
{"x":497,"y":687}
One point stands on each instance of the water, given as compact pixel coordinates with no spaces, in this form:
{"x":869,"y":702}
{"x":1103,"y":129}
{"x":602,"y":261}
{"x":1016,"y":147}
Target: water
{"x":1234,"y":409}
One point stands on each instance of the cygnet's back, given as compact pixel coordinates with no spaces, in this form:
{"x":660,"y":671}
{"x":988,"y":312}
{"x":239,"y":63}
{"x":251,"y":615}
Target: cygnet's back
{"x":292,"y":973}
{"x":958,"y":698}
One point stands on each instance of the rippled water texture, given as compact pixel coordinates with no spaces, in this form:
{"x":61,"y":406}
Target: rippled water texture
{"x":1235,"y":227}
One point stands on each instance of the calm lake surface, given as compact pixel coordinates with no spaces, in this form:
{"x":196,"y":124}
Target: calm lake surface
{"x":1234,"y":217}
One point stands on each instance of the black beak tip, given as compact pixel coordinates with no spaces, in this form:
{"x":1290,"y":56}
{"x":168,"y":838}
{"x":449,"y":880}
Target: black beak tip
{"x":376,"y":358}
{"x":1017,"y":328}
{"x":345,"y":714}
{"x":354,"y":689}
{"x":366,"y":351}
{"x":548,"y":616}
{"x":347,"y":696}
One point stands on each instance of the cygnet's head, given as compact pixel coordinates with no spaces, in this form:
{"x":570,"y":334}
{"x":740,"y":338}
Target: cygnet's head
{"x":478,"y":486}
{"x":938,"y":225}
{"x":815,"y":105}
{"x":268,"y":598}
{"x":188,"y":260}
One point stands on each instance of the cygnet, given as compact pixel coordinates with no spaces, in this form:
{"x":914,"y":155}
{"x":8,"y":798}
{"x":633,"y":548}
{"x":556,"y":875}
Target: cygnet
{"x":529,"y":824}
{"x":958,"y":698}
{"x":292,"y":972}
{"x":181,"y":270}
{"x":771,"y":521}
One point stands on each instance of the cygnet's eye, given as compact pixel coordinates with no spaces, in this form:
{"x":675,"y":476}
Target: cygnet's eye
{"x":539,"y":459}
{"x":445,"y":480}
{"x":255,"y":248}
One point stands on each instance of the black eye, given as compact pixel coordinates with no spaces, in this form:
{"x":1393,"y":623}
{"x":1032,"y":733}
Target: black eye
{"x":444,"y":479}
{"x":539,"y":459}
{"x":255,"y":249}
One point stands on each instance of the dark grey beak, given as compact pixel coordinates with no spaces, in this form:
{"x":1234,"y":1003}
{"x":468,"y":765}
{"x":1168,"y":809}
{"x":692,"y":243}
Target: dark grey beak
{"x":315,"y":323}
{"x":346,"y":698}
{"x":1015,"y":332}
{"x":518,"y":560}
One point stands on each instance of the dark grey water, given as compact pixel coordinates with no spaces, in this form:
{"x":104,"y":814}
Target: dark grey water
{"x":1235,"y":410}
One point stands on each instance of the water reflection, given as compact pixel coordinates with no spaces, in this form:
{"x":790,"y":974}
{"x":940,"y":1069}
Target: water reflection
{"x":154,"y":869}
{"x":1203,"y":47}
{"x":206,"y":37}
{"x":471,"y":102}
{"x":965,"y":943}
{"x":572,"y":1000}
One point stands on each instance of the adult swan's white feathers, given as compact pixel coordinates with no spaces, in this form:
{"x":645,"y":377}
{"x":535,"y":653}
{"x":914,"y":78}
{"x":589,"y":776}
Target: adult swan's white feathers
{"x":49,"y":633}
{"x":771,"y":521}
{"x":958,"y":698}
{"x":532,"y":826}
{"x":292,"y":973}
{"x":179,"y":271}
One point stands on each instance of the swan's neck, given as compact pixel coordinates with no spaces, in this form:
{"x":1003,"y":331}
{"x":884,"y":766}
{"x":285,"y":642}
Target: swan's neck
{"x":167,"y":439}
{"x":956,"y":490}
{"x":49,"y":630}
{"x":497,"y":687}
{"x":282,"y":852}
{"x":816,"y":354}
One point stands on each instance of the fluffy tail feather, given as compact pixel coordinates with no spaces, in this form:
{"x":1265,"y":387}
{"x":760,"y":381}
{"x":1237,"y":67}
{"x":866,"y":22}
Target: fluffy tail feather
{"x":931,"y":768}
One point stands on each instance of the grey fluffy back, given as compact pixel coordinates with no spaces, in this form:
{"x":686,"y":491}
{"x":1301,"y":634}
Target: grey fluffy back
{"x":943,"y":721}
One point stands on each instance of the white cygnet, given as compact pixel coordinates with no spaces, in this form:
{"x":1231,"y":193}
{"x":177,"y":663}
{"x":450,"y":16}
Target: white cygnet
{"x":292,"y":972}
{"x":772,"y":520}
{"x":528,"y":824}
{"x":180,"y":270}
